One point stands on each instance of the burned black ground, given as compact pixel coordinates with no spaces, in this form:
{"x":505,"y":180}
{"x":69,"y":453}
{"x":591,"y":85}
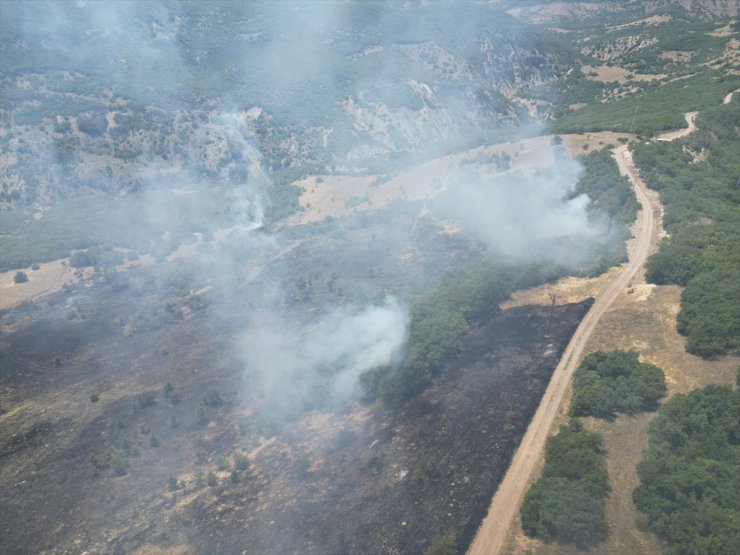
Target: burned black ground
{"x":97,"y":455}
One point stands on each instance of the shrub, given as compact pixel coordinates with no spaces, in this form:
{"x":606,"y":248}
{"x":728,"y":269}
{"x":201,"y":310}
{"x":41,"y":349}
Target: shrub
{"x":168,"y":389}
{"x":443,"y":545}
{"x":241,"y":461}
{"x":212,"y":398}
{"x":172,"y":484}
{"x":119,"y":463}
{"x":20,"y":277}
{"x":146,"y":400}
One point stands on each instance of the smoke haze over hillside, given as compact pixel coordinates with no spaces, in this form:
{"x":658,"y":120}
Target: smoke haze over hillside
{"x":342,"y":71}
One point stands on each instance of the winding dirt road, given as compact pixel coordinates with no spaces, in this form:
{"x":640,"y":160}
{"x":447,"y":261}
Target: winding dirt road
{"x":492,"y":533}
{"x":679,"y":133}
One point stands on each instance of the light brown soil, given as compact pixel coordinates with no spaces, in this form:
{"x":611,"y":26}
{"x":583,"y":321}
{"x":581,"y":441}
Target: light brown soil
{"x":725,"y":31}
{"x":54,"y":275}
{"x":566,"y":290}
{"x":652,"y":20}
{"x":607,"y":74}
{"x":51,"y":277}
{"x":342,"y":195}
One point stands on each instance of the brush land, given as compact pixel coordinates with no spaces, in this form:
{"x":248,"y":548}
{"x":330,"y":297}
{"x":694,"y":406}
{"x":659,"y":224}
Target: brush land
{"x":284,"y":281}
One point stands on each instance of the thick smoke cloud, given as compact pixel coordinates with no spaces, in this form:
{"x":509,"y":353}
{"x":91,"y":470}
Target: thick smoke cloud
{"x":320,"y":367}
{"x":525,"y":218}
{"x":298,"y":55}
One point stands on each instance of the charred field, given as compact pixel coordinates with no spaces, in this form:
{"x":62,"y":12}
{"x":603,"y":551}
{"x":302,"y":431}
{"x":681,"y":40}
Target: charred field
{"x":131,"y":422}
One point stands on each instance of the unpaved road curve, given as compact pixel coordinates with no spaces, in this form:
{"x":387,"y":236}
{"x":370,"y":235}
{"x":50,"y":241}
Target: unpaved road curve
{"x":679,"y":133}
{"x":492,"y":533}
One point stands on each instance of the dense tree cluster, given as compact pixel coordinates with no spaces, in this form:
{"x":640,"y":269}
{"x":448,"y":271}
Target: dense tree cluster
{"x":609,"y":383}
{"x":659,"y":105}
{"x":690,"y":476}
{"x":697,"y":181}
{"x":441,"y":318}
{"x":567,"y":502}
{"x":612,"y":198}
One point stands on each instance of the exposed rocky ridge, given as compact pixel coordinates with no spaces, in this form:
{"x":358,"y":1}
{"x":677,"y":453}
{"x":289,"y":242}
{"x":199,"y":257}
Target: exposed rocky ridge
{"x":67,"y":128}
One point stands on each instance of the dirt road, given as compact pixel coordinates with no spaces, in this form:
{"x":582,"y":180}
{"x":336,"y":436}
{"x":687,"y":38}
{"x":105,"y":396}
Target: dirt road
{"x":491,"y":535}
{"x":679,"y":133}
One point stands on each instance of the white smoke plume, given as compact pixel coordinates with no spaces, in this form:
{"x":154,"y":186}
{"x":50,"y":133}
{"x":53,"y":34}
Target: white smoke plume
{"x":293,"y":370}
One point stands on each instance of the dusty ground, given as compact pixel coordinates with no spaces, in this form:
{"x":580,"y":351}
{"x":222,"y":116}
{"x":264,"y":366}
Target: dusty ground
{"x":343,"y":195}
{"x":49,"y":278}
{"x":722,"y":31}
{"x":652,"y":20}
{"x":53,"y":276}
{"x":565,"y":290}
{"x":607,"y":74}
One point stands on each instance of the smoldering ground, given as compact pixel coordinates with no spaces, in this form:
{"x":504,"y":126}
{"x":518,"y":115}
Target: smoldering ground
{"x":141,"y":47}
{"x":338,"y":75}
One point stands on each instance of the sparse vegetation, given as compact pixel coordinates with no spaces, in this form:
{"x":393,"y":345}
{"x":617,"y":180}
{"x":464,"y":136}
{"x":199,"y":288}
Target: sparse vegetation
{"x":212,"y":398}
{"x":443,"y":545}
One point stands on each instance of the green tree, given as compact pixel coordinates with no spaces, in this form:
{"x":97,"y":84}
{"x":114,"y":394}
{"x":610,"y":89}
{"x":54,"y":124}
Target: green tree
{"x":567,"y":502}
{"x":690,"y":474}
{"x":607,"y":383}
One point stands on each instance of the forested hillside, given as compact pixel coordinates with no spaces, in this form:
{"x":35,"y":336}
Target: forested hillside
{"x":698,"y":183}
{"x":690,"y":477}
